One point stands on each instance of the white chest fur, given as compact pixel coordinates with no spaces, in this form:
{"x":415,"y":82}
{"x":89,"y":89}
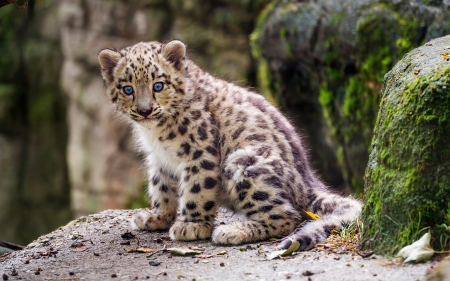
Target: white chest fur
{"x":162,"y":154}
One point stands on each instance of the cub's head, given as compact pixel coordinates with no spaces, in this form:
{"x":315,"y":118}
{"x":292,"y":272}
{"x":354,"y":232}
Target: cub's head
{"x":146,"y":81}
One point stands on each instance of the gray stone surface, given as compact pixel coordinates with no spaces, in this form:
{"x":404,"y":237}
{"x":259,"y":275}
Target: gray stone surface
{"x":91,"y":248}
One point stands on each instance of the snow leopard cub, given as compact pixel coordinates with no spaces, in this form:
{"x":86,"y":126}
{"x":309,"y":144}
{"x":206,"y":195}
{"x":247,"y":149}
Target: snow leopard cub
{"x":209,"y":143}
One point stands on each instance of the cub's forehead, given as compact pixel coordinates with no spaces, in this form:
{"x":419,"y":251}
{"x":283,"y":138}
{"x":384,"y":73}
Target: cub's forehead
{"x":141,"y":62}
{"x":143,"y":49}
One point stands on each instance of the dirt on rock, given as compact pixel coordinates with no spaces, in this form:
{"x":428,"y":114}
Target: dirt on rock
{"x":103,"y":247}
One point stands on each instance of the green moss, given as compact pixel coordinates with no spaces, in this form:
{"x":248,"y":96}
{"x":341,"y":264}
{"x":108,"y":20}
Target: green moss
{"x":260,"y":23}
{"x":384,"y":35}
{"x":350,"y":102}
{"x":45,"y":103}
{"x":39,"y":111}
{"x":407,"y":182}
{"x":265,"y":82}
{"x":326,"y":99}
{"x":356,"y":114}
{"x":285,"y":42}
{"x":325,"y":95}
{"x":331,"y":56}
{"x":341,"y":158}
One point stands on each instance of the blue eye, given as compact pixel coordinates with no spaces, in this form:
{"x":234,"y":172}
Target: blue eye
{"x":128,"y":90}
{"x":158,"y":86}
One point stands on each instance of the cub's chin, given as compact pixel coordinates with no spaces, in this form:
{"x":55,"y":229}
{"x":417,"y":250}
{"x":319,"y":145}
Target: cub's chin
{"x":147,"y":122}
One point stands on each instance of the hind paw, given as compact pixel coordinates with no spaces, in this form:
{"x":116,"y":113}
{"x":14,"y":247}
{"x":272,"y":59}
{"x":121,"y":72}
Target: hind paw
{"x":228,"y":235}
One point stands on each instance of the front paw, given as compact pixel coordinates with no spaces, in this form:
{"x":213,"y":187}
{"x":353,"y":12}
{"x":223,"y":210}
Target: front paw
{"x":189,"y":231}
{"x":146,"y":220}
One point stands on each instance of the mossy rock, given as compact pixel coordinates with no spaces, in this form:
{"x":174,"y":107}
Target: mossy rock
{"x":323,"y":62}
{"x":407,"y":181}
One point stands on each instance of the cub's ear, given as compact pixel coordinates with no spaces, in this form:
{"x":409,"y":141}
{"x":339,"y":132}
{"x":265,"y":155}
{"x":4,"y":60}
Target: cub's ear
{"x":175,"y":52}
{"x":108,"y":60}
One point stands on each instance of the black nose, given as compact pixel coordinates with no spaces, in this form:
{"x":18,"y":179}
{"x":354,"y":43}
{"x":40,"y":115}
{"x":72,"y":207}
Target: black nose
{"x":145,"y":113}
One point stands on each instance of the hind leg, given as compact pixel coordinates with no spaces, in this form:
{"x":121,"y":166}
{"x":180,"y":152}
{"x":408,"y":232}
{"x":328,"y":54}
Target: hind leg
{"x":259,"y":226}
{"x":256,"y":189}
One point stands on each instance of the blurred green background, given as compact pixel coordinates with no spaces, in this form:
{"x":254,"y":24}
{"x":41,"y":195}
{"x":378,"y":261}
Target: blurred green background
{"x":62,"y":152}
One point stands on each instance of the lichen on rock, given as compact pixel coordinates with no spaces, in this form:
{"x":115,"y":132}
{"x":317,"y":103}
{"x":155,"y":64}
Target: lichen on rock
{"x":408,"y":175}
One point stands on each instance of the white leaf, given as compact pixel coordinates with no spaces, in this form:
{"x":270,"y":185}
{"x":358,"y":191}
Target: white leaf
{"x":282,"y":253}
{"x":420,"y":254}
{"x":275,"y":254}
{"x":417,"y":251}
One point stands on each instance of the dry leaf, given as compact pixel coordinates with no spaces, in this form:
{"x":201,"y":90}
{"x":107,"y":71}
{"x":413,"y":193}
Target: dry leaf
{"x":204,"y":256}
{"x":445,"y":56}
{"x":183,"y":252}
{"x":311,"y":215}
{"x":139,"y":250}
{"x":79,"y":250}
{"x":213,"y":255}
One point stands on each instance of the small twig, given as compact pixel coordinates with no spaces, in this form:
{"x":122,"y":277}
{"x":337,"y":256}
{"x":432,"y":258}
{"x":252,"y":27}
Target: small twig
{"x":365,"y":255}
{"x":158,"y":251}
{"x":9,"y":245}
{"x":197,"y":249}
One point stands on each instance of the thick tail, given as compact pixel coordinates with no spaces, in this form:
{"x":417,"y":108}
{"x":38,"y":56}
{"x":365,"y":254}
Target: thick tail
{"x":333,"y":209}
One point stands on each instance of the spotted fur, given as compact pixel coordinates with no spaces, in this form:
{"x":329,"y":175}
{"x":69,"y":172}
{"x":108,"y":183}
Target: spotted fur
{"x":209,"y":144}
